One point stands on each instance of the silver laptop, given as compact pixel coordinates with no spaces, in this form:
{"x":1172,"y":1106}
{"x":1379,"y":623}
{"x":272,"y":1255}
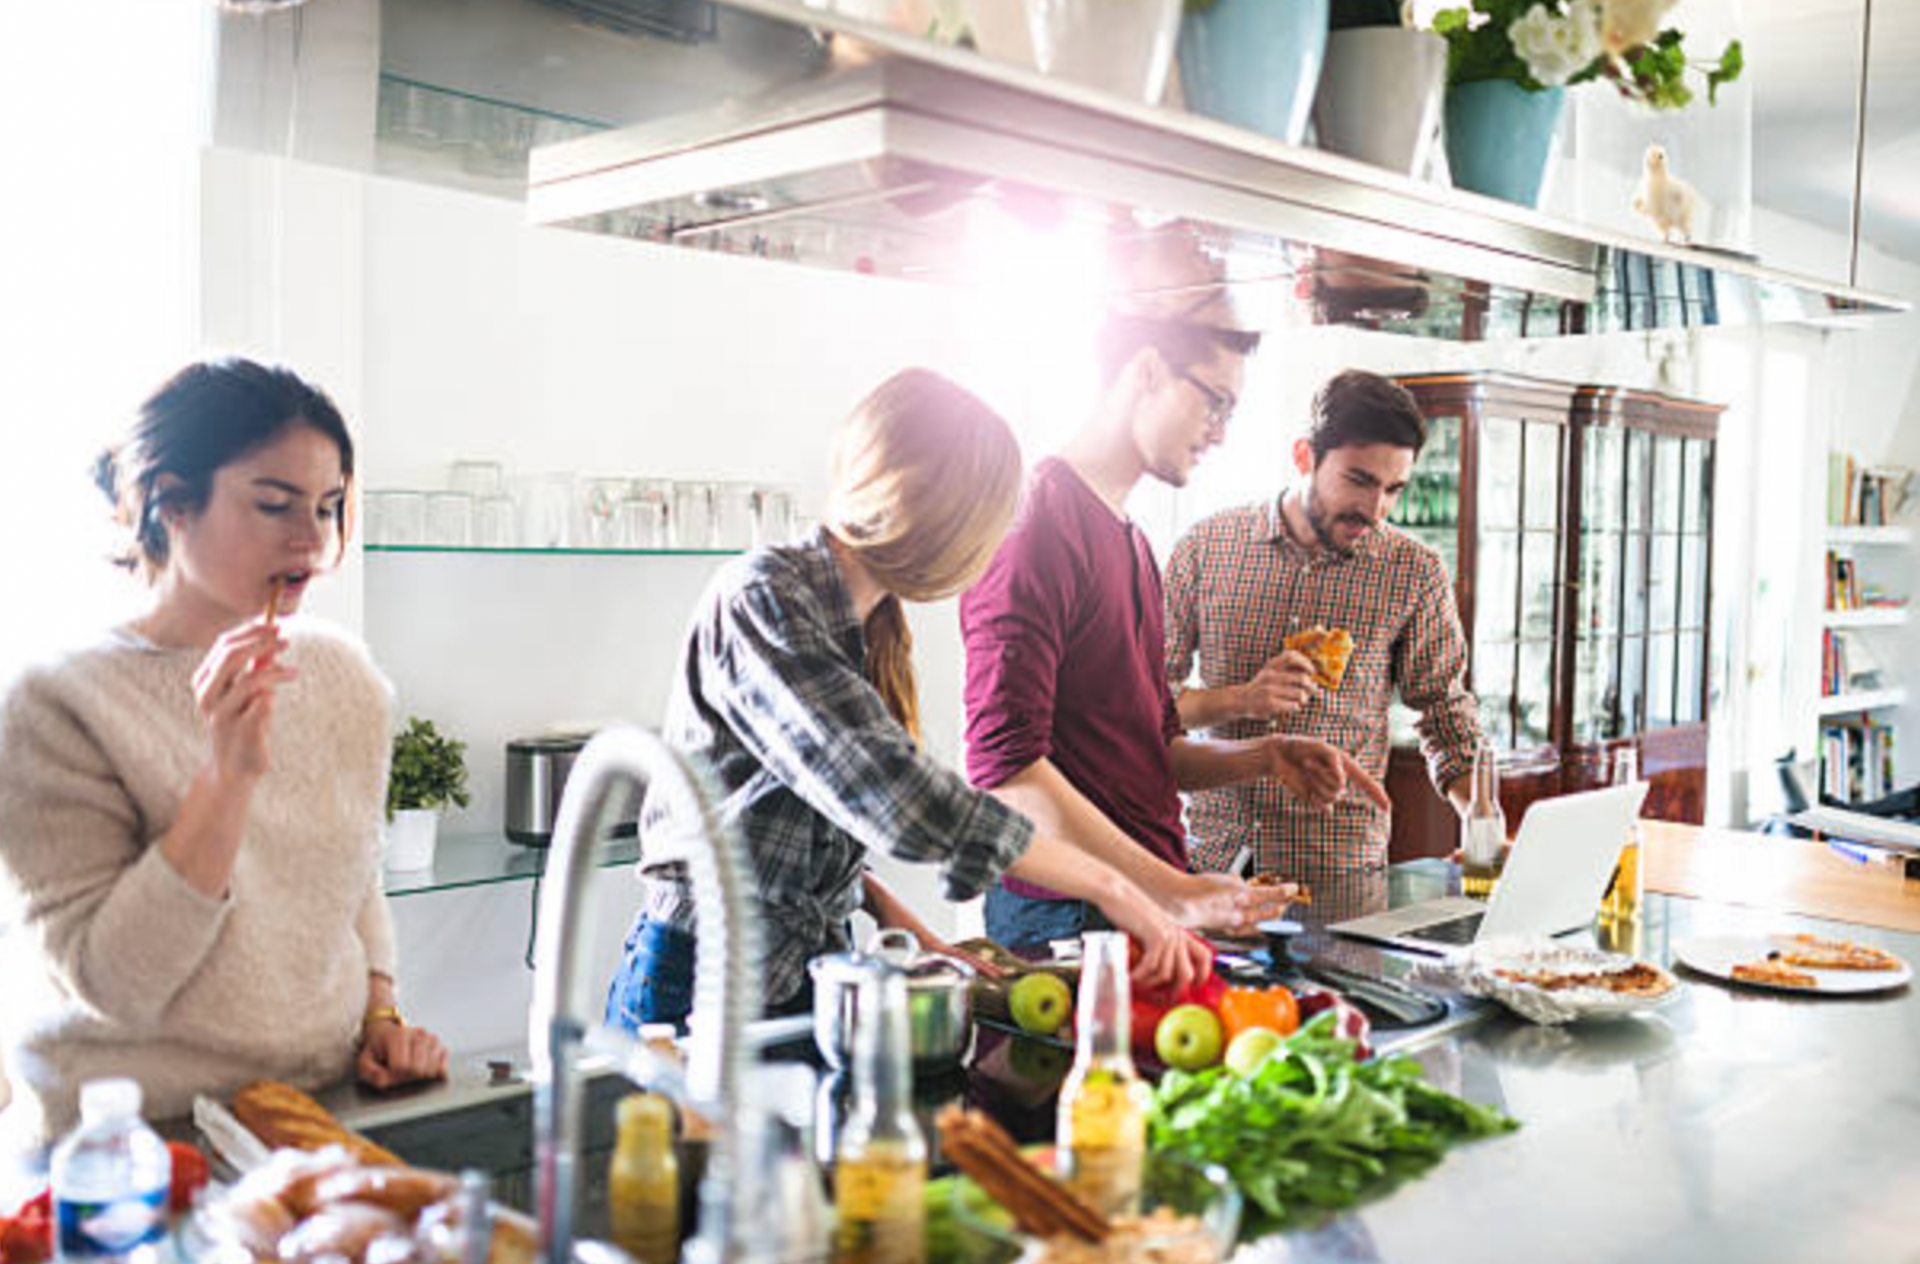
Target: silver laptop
{"x":1555,"y":875}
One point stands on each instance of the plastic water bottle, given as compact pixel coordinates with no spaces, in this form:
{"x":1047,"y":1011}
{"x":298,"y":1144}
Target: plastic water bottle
{"x":110,"y":1179}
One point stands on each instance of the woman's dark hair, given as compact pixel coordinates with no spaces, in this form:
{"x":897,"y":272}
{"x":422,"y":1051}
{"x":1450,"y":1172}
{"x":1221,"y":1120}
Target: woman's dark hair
{"x":1356,"y":408}
{"x":1181,"y":343}
{"x":204,"y":417}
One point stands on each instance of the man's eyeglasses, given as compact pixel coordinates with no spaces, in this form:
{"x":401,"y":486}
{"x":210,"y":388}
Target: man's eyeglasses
{"x":1220,"y":404}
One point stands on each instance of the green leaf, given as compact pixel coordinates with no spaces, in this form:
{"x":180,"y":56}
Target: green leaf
{"x":429,"y":770}
{"x":1732,"y":61}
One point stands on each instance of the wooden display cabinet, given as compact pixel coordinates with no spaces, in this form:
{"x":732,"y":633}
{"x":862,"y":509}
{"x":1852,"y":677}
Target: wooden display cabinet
{"x":1577,"y":523}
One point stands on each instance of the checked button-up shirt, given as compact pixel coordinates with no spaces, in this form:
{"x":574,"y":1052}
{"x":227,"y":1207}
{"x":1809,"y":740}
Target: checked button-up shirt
{"x":1237,"y":584}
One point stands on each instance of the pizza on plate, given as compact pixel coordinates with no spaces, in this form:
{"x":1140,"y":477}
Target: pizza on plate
{"x":1774,"y":972}
{"x":1638,"y":979}
{"x":1810,"y":952}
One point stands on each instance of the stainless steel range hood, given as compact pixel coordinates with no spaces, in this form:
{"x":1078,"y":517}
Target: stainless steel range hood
{"x":887,"y":158}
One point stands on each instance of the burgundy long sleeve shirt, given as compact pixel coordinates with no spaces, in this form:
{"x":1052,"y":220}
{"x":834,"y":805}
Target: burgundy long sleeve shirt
{"x":1066,"y":651}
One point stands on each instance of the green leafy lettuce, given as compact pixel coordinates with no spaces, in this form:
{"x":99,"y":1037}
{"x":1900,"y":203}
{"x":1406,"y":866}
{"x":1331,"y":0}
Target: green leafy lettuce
{"x":1314,"y":1127}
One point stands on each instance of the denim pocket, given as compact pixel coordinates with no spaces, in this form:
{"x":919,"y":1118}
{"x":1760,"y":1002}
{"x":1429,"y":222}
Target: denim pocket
{"x":654,"y":983}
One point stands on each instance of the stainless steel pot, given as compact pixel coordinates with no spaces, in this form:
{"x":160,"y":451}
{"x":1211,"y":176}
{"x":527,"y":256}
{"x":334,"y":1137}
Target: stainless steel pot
{"x":939,"y":1000}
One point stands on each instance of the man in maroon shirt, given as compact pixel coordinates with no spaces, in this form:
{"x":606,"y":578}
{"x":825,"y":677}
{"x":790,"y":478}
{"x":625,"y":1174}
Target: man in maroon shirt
{"x":1069,"y":717}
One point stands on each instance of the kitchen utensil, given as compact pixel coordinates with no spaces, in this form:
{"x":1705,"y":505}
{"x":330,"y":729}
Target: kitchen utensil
{"x":939,"y":1003}
{"x":1389,"y":1004}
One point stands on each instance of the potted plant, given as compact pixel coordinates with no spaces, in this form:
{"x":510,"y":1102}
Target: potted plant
{"x":1254,"y":63}
{"x":1381,"y":85}
{"x":1509,"y":63}
{"x":428,"y":775}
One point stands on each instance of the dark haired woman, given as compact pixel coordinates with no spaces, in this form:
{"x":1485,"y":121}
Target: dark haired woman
{"x":189,"y":806}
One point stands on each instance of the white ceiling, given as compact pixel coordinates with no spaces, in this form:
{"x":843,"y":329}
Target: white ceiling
{"x":1803,"y":61}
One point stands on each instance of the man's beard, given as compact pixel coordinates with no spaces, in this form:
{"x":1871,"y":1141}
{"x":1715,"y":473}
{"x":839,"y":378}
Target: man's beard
{"x":1322,"y":524}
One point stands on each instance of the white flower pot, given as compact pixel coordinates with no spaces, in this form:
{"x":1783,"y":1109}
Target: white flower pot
{"x":1380,"y":95}
{"x":410,"y":836}
{"x":1122,"y":46}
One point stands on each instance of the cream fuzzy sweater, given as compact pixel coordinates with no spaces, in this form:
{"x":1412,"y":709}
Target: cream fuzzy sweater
{"x":121,"y":967}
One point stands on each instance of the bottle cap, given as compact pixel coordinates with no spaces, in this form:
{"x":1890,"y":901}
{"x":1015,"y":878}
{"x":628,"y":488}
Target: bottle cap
{"x":102,"y":1100}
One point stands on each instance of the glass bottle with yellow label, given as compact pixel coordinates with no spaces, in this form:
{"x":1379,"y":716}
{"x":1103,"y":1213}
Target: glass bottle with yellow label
{"x":1101,"y":1138}
{"x":1621,"y":903}
{"x":880,"y":1161}
{"x":643,"y":1181}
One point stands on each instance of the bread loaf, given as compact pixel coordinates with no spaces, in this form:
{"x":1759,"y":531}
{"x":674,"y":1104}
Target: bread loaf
{"x":281,"y":1115}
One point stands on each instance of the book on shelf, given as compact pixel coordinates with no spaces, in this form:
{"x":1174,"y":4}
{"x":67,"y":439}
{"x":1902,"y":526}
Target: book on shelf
{"x":1864,"y":495}
{"x":1856,"y":759}
{"x":1846,"y":665}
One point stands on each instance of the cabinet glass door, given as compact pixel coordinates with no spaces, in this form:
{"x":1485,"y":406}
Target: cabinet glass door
{"x":1429,"y":511}
{"x":1517,"y":580}
{"x":1603,"y":568}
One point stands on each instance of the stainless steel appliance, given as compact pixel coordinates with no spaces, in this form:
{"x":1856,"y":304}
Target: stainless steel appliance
{"x":537,"y":769}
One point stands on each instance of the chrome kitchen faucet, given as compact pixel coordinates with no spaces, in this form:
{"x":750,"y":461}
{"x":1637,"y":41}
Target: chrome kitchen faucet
{"x":726,"y":988}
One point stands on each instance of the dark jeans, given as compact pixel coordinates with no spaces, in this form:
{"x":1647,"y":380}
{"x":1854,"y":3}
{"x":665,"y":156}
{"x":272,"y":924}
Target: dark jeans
{"x":654,"y":983}
{"x":1025,"y":924}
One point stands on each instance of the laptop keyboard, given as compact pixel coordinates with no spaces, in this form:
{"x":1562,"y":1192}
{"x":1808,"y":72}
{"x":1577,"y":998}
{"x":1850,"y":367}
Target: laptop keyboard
{"x":1457,"y":930}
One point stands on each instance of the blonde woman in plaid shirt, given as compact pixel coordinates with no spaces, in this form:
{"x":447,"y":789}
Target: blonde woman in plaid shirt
{"x":1241,"y":580}
{"x":796,"y":690}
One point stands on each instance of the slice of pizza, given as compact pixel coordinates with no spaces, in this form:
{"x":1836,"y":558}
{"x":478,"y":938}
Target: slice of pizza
{"x":1301,"y":894}
{"x":1812,"y":953}
{"x":1776,"y":973}
{"x":1327,"y":649}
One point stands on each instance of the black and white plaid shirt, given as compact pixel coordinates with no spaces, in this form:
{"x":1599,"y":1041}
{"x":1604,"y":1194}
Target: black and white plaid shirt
{"x":814,"y":772}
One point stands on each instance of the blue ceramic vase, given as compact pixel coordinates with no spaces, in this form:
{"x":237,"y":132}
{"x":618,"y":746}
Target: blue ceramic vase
{"x":1255,"y":63}
{"x":1500,"y":136}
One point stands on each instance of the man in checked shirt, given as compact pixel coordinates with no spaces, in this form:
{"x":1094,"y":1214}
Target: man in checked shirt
{"x":1321,"y":553}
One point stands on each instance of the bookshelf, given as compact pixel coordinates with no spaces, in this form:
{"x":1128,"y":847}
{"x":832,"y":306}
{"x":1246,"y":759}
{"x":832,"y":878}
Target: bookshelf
{"x":1863,"y":607}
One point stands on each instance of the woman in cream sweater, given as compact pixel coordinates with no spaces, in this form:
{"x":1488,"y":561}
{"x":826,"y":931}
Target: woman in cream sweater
{"x":189,"y":807}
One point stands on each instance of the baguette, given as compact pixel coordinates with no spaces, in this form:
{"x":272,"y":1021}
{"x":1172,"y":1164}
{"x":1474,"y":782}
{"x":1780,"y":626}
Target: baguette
{"x":281,"y":1115}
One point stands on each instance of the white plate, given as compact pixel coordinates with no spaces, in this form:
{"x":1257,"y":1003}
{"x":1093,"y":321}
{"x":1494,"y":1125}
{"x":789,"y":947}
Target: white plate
{"x":1475,"y":971}
{"x":1719,"y":954}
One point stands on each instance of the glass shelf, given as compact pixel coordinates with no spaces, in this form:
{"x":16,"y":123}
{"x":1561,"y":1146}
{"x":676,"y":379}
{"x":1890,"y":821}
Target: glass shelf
{"x":485,"y":860}
{"x":565,"y":552}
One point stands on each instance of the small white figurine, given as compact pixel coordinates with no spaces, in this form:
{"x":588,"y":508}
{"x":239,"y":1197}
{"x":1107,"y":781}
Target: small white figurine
{"x":1665,"y":198}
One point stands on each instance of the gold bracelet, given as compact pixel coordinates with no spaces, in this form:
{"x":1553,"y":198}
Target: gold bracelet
{"x":382,"y":1014}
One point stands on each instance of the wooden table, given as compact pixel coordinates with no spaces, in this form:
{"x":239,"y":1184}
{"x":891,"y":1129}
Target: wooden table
{"x":1785,"y":874}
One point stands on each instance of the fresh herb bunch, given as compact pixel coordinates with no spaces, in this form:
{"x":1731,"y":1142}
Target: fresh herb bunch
{"x":1314,"y":1127}
{"x":429,"y":770}
{"x":1540,"y":44}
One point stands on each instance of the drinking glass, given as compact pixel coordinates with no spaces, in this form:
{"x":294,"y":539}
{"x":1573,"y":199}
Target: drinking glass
{"x":476,"y":478}
{"x":733,"y":515}
{"x":548,"y":521}
{"x":600,"y":511}
{"x":693,"y":515}
{"x":403,"y":517}
{"x":496,"y":522}
{"x":449,"y":519}
{"x":643,"y":521}
{"x":773,"y":523}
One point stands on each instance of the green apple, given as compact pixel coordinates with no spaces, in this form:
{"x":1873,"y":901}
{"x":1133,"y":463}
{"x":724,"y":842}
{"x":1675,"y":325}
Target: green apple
{"x":1250,"y":1048}
{"x":1040,"y":1002}
{"x":1189,"y":1037}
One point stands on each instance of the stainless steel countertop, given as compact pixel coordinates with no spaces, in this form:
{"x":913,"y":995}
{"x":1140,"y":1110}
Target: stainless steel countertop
{"x":1733,"y":1125}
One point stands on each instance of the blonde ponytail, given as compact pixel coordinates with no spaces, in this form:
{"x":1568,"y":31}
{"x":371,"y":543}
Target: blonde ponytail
{"x":890,"y":662}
